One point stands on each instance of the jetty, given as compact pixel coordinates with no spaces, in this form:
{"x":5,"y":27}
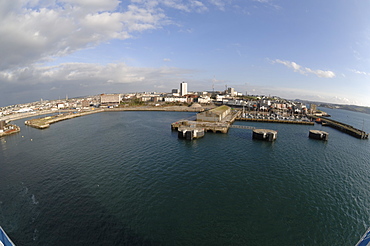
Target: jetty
{"x":42,"y":123}
{"x":341,"y":127}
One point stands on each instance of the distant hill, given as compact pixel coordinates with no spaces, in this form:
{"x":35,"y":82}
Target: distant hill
{"x":361,"y":109}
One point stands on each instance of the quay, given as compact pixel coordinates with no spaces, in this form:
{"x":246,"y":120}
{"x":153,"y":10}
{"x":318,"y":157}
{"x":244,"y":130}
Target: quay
{"x":42,"y":123}
{"x":207,"y":126}
{"x":215,"y":120}
{"x":341,"y":127}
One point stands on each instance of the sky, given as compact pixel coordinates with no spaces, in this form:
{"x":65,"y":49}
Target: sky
{"x":312,"y":50}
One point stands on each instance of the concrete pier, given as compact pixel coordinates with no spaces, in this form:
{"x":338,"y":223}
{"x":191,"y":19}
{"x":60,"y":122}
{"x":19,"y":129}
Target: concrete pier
{"x":264,"y":134}
{"x":320,"y":135}
{"x":190,"y":133}
{"x":207,"y":126}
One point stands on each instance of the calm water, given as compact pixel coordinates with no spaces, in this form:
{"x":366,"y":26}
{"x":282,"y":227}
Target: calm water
{"x":124,"y":178}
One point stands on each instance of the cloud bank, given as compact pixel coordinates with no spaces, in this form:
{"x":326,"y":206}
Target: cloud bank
{"x":305,"y":70}
{"x":37,"y":31}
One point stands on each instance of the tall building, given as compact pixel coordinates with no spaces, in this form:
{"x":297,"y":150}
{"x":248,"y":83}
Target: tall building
{"x":183,"y":89}
{"x":231,"y":91}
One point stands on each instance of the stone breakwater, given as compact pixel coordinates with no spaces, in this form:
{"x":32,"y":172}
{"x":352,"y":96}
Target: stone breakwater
{"x":45,"y":122}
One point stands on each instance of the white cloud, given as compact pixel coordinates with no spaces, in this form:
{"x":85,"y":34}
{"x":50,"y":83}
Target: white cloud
{"x":268,"y":2}
{"x":38,"y":31}
{"x":359,"y":72}
{"x":86,"y":72}
{"x":305,"y":70}
{"x":166,"y":59}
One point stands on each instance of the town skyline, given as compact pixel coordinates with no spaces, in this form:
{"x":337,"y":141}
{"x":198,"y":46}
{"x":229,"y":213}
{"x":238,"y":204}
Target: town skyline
{"x":315,"y":51}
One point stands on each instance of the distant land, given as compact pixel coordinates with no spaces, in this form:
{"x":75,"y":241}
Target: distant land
{"x":360,"y":109}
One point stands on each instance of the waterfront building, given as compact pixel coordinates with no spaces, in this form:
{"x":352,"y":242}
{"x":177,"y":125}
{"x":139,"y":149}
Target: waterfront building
{"x":110,"y":99}
{"x":205,"y":99}
{"x":85,"y":103}
{"x":175,"y":99}
{"x":214,"y":115}
{"x":183,"y":88}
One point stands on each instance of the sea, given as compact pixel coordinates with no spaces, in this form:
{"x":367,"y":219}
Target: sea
{"x":124,"y":178}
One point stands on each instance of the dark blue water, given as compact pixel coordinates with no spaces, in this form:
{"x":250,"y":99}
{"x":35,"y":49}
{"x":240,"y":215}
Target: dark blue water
{"x":123,"y":178}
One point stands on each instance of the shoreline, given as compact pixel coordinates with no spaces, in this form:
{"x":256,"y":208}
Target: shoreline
{"x":19,"y":116}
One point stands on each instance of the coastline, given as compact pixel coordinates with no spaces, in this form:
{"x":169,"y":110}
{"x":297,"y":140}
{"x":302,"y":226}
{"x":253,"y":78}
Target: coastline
{"x":19,"y":116}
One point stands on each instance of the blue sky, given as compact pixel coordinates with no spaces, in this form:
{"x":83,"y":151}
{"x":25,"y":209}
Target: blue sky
{"x":314,"y":50}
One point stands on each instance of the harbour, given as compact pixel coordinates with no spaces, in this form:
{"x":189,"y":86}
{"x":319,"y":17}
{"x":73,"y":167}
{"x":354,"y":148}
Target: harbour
{"x":96,"y":179}
{"x":220,"y":125}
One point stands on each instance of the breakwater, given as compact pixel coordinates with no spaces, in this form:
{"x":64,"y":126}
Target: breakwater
{"x":42,"y":123}
{"x":341,"y":127}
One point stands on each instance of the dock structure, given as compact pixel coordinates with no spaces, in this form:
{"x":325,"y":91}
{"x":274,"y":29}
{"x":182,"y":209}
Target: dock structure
{"x":190,"y":133}
{"x":320,"y":135}
{"x":215,"y":120}
{"x":264,"y":134}
{"x":341,"y":127}
{"x":207,"y":126}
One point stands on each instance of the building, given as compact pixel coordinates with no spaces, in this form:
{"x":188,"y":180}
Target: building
{"x":176,"y":99}
{"x":110,"y":99}
{"x":85,"y":103}
{"x":2,"y":124}
{"x":183,"y":88}
{"x":231,"y":91}
{"x":214,"y":115}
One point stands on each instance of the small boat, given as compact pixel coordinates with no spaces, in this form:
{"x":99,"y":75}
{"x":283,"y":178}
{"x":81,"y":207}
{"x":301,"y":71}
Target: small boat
{"x":318,"y":120}
{"x":365,"y":239}
{"x":4,"y":239}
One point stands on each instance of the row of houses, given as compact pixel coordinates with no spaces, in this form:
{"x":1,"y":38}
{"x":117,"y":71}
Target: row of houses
{"x":263,"y":104}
